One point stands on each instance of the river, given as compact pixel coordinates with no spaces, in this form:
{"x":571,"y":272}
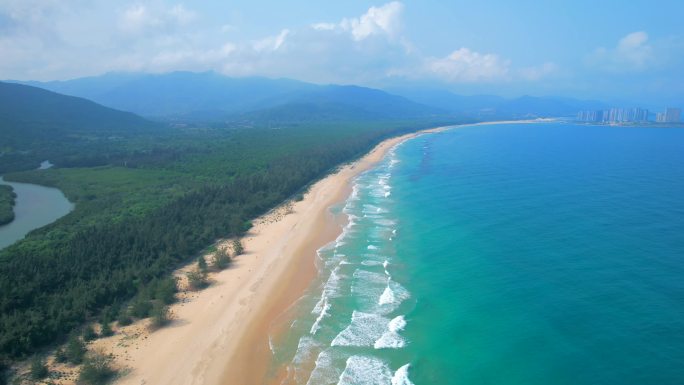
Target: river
{"x":36,"y":206}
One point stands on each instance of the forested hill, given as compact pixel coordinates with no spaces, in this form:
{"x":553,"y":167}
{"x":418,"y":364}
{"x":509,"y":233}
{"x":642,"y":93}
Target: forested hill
{"x":36,"y":124}
{"x":30,"y":113}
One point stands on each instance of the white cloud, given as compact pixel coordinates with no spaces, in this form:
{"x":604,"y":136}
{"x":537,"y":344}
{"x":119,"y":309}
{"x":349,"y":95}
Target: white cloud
{"x":634,"y":49}
{"x":378,"y":20}
{"x":384,"y":20}
{"x":160,"y":36}
{"x":138,"y":17}
{"x":466,"y":66}
{"x":271,"y":43}
{"x":632,"y":53}
{"x":324,"y":26}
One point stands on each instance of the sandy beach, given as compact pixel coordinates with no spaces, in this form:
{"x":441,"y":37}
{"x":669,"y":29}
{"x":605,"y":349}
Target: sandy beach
{"x":220,"y":335}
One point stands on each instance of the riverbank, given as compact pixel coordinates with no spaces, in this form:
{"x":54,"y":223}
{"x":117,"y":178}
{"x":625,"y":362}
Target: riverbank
{"x":220,"y":335}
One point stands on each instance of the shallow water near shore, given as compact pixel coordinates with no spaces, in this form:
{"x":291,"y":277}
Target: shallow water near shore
{"x":517,"y":254}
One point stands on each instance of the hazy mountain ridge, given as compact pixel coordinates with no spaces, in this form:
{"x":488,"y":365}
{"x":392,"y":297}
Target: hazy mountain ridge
{"x":492,"y":106}
{"x":211,"y":97}
{"x":178,"y":93}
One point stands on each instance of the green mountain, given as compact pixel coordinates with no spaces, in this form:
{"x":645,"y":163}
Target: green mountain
{"x":30,"y":113}
{"x":36,"y":124}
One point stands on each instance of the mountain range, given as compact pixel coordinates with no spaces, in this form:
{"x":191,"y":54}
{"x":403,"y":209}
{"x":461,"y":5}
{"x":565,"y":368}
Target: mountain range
{"x":211,"y":97}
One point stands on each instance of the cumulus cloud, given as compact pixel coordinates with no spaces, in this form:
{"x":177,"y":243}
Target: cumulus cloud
{"x":384,"y":20}
{"x":139,"y":17}
{"x":467,"y":66}
{"x":633,"y":52}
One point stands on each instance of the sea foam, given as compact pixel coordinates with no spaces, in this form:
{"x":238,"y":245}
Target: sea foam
{"x":324,"y":312}
{"x":364,"y":330}
{"x":363,"y":370}
{"x":325,"y":371}
{"x":391,"y":338}
{"x":401,"y":376}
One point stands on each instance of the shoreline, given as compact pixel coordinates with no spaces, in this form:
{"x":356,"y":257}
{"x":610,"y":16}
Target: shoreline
{"x":220,"y":335}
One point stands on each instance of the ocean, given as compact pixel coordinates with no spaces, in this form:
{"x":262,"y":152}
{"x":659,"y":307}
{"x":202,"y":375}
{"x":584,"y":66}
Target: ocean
{"x":503,"y":254}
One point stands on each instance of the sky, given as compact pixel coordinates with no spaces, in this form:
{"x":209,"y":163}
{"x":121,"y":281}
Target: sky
{"x":618,"y":51}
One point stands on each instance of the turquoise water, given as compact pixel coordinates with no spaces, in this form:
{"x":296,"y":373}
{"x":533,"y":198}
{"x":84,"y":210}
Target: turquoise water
{"x":504,"y":254}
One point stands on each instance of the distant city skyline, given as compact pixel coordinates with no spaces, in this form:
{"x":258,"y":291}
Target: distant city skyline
{"x":624,"y":53}
{"x":627,"y":115}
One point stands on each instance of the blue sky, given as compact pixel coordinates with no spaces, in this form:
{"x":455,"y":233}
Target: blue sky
{"x":621,"y":51}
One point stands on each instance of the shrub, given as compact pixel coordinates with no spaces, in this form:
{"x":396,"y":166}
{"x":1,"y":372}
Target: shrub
{"x":202,"y":264}
{"x":75,"y":350}
{"x":97,"y":369}
{"x":221,"y":259}
{"x":141,"y":307}
{"x":89,"y":333}
{"x":60,"y":356}
{"x":106,"y":329}
{"x":237,"y":247}
{"x":38,"y":369}
{"x":124,"y":318}
{"x":160,"y":315}
{"x":166,"y":290}
{"x":197,"y":279}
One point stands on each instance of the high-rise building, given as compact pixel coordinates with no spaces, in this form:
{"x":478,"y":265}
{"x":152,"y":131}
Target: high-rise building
{"x":673,"y":115}
{"x":614,"y":115}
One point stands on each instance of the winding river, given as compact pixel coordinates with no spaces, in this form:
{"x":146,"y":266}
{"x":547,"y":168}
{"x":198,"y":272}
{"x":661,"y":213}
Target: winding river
{"x":36,"y":206}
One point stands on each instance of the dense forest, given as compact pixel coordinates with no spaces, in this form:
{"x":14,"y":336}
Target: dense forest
{"x":7,"y":196}
{"x":151,"y":207}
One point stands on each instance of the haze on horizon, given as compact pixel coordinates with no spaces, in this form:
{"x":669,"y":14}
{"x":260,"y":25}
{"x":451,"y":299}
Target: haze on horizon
{"x":621,"y":52}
